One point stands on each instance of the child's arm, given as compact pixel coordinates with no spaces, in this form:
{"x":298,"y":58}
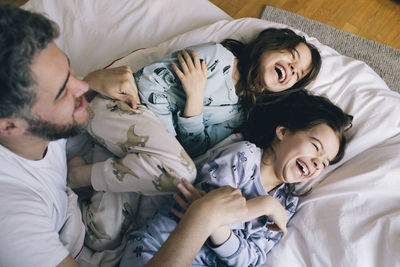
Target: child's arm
{"x":259,"y":206}
{"x":193,"y":77}
{"x":115,"y":83}
{"x":195,"y":129}
{"x":148,"y":158}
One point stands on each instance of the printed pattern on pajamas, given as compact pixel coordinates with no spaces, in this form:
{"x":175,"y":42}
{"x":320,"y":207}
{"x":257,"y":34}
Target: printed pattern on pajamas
{"x":237,"y":165}
{"x":162,"y":92}
{"x":146,"y":160}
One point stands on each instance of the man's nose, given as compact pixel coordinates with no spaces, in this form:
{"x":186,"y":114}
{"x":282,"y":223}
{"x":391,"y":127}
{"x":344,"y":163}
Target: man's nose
{"x":77,"y":86}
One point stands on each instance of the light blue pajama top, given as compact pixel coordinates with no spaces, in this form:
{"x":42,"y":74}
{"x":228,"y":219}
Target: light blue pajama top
{"x":237,"y":165}
{"x":161,"y":91}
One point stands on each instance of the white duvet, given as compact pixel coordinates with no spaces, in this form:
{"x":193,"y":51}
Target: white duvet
{"x":352,"y":216}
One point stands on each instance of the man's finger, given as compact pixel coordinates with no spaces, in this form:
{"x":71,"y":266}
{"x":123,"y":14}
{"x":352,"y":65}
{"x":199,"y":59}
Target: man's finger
{"x":180,"y":201}
{"x":177,"y":213}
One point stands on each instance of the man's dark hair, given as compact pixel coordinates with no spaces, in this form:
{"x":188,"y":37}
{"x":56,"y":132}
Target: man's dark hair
{"x":23,"y":35}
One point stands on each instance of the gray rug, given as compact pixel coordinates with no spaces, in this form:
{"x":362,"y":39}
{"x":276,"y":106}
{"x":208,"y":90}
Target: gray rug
{"x":384,"y":59}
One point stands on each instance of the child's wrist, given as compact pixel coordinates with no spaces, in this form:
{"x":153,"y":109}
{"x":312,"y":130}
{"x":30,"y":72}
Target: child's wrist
{"x":193,"y":107}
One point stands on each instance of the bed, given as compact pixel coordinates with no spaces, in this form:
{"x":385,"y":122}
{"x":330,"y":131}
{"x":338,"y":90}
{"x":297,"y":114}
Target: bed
{"x":351,"y":216}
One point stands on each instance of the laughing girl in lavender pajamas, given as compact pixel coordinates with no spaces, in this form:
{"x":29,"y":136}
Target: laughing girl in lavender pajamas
{"x":287,"y":141}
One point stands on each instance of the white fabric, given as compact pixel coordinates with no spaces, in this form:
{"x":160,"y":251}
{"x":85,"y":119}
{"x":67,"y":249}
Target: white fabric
{"x":96,"y":32}
{"x":350,"y":218}
{"x":34,"y":207}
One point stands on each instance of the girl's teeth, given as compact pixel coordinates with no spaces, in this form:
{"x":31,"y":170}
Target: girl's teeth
{"x":303,"y":168}
{"x":282,"y":73}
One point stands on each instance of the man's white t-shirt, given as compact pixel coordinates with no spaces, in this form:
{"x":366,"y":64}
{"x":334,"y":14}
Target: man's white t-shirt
{"x":35,"y":204}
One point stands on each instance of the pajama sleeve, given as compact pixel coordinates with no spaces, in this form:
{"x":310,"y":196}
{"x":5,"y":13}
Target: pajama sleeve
{"x":235,"y":165}
{"x":231,"y":165}
{"x":147,"y":158}
{"x":241,"y":250}
{"x":197,"y":138}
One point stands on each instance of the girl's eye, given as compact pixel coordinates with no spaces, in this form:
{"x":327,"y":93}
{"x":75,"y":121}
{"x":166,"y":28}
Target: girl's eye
{"x":293,"y":54}
{"x":316,"y":147}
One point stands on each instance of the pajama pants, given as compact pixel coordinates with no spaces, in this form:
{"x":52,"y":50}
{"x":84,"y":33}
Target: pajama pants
{"x":137,"y":163}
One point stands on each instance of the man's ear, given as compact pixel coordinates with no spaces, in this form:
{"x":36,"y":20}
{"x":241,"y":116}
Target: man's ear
{"x":281,"y":132}
{"x":12,"y":127}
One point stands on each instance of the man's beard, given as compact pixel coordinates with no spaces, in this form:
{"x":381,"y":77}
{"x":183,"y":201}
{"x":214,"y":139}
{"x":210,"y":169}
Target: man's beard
{"x":52,"y":131}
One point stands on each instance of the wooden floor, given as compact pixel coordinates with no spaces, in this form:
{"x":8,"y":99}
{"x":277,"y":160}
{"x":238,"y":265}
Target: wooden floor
{"x":377,"y":20}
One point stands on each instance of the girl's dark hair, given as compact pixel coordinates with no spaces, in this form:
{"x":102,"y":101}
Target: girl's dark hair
{"x":250,"y":86}
{"x":297,"y":111}
{"x":23,"y":35}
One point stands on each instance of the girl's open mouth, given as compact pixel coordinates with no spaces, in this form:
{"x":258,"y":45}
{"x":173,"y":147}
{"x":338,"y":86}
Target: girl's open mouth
{"x":302,"y":167}
{"x":281,"y":72}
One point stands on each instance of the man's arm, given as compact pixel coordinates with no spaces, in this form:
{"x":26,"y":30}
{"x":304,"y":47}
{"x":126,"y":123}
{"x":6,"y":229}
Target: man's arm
{"x":219,"y":207}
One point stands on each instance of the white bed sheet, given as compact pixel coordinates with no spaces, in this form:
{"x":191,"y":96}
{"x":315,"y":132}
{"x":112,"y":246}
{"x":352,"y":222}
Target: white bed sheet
{"x":351,"y":216}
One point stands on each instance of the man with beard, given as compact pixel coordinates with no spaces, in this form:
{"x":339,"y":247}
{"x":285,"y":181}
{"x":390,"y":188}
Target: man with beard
{"x":41,"y":104}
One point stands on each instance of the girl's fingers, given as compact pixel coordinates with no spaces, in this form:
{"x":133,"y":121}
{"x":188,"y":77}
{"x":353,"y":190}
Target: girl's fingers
{"x":177,"y":71}
{"x":204,"y":67}
{"x":188,"y":60}
{"x":196,"y":59}
{"x":183,"y":64}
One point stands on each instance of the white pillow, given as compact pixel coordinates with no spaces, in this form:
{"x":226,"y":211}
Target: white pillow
{"x":95,"y":32}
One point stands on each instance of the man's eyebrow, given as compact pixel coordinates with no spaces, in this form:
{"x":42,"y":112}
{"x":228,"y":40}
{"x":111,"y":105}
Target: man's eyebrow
{"x":65,"y":82}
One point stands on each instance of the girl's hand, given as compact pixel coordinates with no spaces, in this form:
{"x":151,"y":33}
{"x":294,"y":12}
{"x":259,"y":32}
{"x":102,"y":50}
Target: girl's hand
{"x":191,"y":194}
{"x":116,"y":83}
{"x":193,"y":77}
{"x":79,"y":172}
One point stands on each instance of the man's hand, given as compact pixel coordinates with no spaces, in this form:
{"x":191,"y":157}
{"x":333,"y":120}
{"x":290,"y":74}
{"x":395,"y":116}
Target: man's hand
{"x":277,"y":213}
{"x":220,"y":207}
{"x":116,"y":83}
{"x":191,"y":194}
